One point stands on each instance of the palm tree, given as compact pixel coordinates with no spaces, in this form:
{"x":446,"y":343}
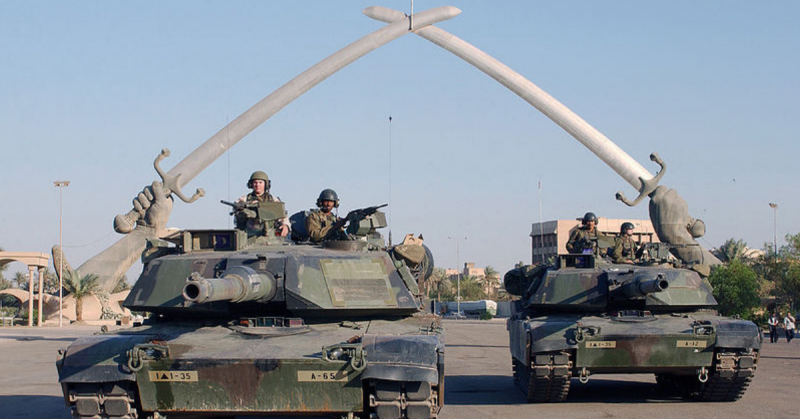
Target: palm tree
{"x":491,"y":280}
{"x":4,"y":283}
{"x":79,"y":287}
{"x":733,"y":250}
{"x":433,"y":285}
{"x":3,"y":268}
{"x":122,"y":285}
{"x":471,"y":289}
{"x":21,"y":279}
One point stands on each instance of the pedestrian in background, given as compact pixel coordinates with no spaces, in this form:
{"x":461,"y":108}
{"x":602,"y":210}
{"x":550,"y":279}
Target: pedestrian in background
{"x":772,"y":322}
{"x":788,"y":324}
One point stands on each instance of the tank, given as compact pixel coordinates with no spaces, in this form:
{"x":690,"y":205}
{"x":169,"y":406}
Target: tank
{"x":263,"y":325}
{"x":587,"y":316}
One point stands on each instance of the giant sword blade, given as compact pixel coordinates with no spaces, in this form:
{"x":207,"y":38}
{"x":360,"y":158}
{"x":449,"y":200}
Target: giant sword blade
{"x":668,"y":211}
{"x":114,"y":261}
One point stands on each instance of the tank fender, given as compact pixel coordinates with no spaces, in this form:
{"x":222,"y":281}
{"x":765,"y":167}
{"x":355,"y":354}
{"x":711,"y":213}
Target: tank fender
{"x":552,"y":335}
{"x":519,"y":339}
{"x":403,"y":358}
{"x":97,"y":359}
{"x":734,"y":333}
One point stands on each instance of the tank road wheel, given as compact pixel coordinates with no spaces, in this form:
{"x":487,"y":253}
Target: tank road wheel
{"x":547,"y":379}
{"x":730,"y":374}
{"x":402,"y":400}
{"x":103,"y":400}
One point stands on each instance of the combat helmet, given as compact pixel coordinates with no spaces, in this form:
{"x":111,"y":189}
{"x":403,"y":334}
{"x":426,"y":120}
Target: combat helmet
{"x":625,"y":226}
{"x":328,"y":195}
{"x":259,"y":175}
{"x":589,"y":216}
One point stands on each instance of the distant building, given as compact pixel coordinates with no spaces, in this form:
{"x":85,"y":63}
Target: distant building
{"x":549,"y":238}
{"x":489,"y":287}
{"x":469,"y":270}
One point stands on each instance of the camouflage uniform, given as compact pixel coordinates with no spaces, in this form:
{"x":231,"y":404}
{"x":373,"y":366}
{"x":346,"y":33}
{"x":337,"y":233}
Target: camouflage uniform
{"x":582,"y":235}
{"x":254,"y":226}
{"x":319,"y":226}
{"x":624,"y":249}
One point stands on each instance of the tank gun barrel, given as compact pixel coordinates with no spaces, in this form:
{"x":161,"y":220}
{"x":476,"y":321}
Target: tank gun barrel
{"x":640,"y":288}
{"x":238,"y":284}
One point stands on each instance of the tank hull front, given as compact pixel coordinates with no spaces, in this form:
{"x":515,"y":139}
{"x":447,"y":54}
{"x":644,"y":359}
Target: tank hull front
{"x":692,"y":345}
{"x":323,"y":368}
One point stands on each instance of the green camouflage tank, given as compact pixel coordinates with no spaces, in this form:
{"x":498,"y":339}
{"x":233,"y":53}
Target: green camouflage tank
{"x":262,"y":325}
{"x":588,"y":316}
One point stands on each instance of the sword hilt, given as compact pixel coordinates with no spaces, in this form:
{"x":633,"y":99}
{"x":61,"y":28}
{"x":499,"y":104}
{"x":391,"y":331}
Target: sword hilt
{"x":648,"y":185}
{"x":125,"y":223}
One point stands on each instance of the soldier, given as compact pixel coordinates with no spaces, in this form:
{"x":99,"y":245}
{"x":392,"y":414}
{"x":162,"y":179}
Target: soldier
{"x":584,"y":239}
{"x":624,"y":245}
{"x":323,"y":224}
{"x":259,"y":182}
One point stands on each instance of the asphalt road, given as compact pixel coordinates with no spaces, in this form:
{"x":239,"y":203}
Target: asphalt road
{"x":478,"y":383}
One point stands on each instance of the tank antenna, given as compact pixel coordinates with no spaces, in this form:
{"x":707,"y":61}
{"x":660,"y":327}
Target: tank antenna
{"x":390,"y":179}
{"x":228,"y":153}
{"x":541,"y":227}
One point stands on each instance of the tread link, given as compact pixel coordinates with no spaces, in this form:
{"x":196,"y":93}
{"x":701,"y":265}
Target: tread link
{"x":547,"y":379}
{"x":402,"y":400}
{"x":731,"y":375}
{"x":103,"y":400}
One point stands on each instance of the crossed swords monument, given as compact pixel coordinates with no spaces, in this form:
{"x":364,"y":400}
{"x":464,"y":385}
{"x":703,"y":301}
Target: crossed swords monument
{"x":152,"y":207}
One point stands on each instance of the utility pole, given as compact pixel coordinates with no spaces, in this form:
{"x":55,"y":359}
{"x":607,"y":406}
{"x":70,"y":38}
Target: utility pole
{"x":60,"y":184}
{"x":458,"y":276}
{"x":774,"y":207}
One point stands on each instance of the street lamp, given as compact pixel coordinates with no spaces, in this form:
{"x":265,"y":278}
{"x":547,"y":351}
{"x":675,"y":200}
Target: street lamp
{"x":60,"y":184}
{"x":458,"y":275}
{"x":774,"y":207}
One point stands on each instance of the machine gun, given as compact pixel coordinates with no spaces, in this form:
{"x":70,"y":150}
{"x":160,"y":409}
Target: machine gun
{"x":240,"y":206}
{"x":361,"y":213}
{"x":237,"y":206}
{"x":264,"y":213}
{"x":364,"y":221}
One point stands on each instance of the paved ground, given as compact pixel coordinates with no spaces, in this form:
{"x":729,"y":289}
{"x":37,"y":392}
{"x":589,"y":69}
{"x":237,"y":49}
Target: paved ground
{"x":479,"y":381}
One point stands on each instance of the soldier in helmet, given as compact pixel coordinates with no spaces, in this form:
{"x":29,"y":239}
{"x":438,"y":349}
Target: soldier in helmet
{"x":259,"y":182}
{"x":323,"y":224}
{"x":624,"y":245}
{"x":584,"y":239}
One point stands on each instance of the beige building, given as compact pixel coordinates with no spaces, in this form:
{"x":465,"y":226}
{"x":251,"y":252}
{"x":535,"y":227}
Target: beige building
{"x":469,"y":270}
{"x":549,"y":239}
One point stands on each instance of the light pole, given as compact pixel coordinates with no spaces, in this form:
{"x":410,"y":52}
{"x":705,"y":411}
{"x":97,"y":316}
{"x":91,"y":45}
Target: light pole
{"x":60,"y":184}
{"x":458,"y":276}
{"x":774,"y":207}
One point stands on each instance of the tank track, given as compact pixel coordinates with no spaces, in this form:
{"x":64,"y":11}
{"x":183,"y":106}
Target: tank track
{"x":547,"y":379}
{"x":731,"y":374}
{"x":728,"y":379}
{"x":402,"y":400}
{"x":103,"y":400}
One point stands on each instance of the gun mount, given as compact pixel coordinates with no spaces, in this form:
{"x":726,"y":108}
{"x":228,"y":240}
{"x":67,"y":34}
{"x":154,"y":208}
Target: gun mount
{"x":642,"y":287}
{"x":237,"y":284}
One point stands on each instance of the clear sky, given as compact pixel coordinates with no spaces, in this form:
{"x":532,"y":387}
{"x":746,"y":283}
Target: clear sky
{"x":91,"y":91}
